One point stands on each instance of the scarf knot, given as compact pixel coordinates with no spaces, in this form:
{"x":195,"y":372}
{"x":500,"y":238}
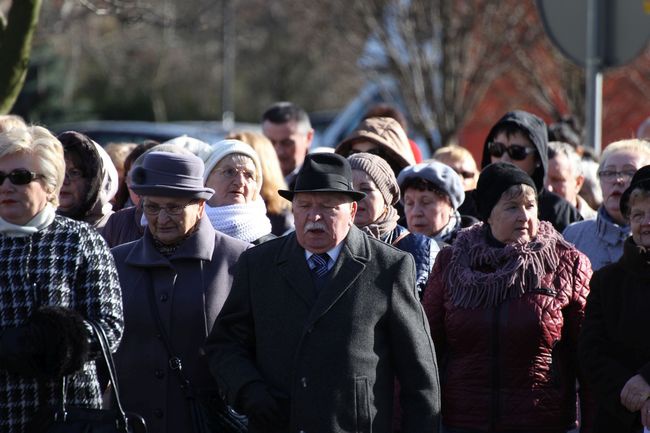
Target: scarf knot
{"x":480,"y":275}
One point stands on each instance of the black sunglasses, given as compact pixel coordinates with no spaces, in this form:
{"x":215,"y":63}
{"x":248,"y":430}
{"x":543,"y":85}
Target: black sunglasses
{"x":19,"y":176}
{"x":517,"y":152}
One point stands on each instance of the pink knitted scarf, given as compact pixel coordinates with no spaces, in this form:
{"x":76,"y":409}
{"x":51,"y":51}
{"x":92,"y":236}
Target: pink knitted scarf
{"x":480,"y":275}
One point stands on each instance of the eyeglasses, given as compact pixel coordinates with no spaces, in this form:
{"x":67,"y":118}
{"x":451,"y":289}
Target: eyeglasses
{"x":231,"y":173}
{"x":19,"y":176}
{"x":172,"y":209}
{"x":517,"y":152}
{"x":615,"y":175}
{"x":73,"y":174}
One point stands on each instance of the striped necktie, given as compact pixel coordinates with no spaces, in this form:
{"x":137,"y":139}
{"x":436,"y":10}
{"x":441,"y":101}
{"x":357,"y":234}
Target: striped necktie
{"x":319,"y":264}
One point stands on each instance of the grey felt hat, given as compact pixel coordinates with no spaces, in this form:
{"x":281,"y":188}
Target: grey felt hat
{"x":170,"y":175}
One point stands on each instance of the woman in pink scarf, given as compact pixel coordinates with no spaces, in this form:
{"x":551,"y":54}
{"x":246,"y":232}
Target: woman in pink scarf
{"x":505,"y":304}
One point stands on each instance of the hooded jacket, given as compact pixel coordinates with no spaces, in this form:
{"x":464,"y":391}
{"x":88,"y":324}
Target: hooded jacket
{"x":552,"y":207}
{"x":98,"y":168}
{"x":388,"y":135}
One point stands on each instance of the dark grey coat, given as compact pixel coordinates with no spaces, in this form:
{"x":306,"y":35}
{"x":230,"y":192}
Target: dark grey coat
{"x":333,"y":357}
{"x":190,"y":289}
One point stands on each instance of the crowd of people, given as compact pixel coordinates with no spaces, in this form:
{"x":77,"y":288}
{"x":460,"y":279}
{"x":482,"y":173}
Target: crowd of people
{"x":352,"y":289}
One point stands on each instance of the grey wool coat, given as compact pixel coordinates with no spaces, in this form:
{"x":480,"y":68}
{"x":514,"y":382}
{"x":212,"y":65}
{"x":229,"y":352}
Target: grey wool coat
{"x":330,"y":358}
{"x":190,"y":288}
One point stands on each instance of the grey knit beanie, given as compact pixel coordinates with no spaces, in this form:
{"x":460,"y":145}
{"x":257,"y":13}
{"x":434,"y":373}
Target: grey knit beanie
{"x":380,"y":173}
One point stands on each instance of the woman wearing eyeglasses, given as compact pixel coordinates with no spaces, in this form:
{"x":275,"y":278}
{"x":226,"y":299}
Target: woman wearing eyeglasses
{"x":520,"y":138}
{"x":602,"y":239}
{"x":175,"y":279}
{"x":237,"y":209}
{"x":614,"y":348}
{"x":55,"y":274}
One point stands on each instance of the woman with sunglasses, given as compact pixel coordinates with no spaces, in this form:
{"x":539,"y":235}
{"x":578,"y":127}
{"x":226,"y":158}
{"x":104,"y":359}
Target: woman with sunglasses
{"x":505,"y":304}
{"x":55,"y":275}
{"x":237,"y":209}
{"x":520,"y":138}
{"x":602,"y":239}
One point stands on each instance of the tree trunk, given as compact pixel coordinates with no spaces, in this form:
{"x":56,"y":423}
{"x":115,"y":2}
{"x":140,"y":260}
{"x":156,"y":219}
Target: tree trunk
{"x":15,"y":47}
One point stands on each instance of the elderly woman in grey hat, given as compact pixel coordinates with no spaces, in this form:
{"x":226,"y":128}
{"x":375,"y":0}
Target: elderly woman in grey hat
{"x":174,"y":279}
{"x":431,"y":194}
{"x":237,"y":209}
{"x":376,"y":215}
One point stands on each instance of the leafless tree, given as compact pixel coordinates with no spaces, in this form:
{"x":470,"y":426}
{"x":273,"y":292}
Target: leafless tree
{"x":446,"y":53}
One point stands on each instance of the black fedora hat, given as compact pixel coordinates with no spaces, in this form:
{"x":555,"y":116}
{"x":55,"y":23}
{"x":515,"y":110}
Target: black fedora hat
{"x":324,"y":172}
{"x":640,"y":180}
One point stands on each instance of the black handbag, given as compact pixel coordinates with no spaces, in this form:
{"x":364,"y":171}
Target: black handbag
{"x":209,"y":412}
{"x":70,"y":419}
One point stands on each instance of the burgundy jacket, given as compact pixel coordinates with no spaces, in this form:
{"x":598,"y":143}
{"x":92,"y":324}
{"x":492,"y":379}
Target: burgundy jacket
{"x":511,"y":366}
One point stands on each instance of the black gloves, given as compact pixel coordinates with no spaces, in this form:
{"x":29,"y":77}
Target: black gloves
{"x":53,"y":343}
{"x":262,"y":410}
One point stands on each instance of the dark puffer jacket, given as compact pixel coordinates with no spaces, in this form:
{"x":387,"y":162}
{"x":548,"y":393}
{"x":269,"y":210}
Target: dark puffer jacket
{"x":510,"y":367}
{"x":423,"y":249}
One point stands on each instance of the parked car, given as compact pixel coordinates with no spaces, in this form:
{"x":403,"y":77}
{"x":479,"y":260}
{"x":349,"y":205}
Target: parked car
{"x":114,"y":131}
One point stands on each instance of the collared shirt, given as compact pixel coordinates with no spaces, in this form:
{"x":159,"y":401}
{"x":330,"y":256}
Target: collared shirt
{"x":333,"y":253}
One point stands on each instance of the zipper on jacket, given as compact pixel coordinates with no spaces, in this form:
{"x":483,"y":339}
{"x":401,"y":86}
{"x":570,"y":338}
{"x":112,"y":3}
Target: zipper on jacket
{"x":494,"y":412}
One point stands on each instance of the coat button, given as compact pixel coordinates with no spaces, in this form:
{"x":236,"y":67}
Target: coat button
{"x":159,"y":373}
{"x":303,"y":382}
{"x":164,"y":297}
{"x":158,"y":413}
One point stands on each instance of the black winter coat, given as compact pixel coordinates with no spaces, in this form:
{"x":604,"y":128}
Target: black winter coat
{"x":614,"y":344}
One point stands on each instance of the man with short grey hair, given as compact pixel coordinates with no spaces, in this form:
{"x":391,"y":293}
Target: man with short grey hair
{"x":320,"y":322}
{"x":565,"y":177}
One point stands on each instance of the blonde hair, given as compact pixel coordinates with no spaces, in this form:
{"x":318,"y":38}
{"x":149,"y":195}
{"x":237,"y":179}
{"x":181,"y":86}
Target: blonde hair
{"x":11,"y":121}
{"x":634,"y":145}
{"x":39,"y":143}
{"x":454,"y":153}
{"x":118,"y":153}
{"x":273,"y":180}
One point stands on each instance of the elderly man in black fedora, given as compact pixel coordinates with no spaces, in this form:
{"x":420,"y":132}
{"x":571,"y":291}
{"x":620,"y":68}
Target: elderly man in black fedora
{"x":175,"y":279}
{"x":320,"y":322}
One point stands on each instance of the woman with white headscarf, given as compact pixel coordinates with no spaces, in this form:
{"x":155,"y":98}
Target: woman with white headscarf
{"x":237,"y":209}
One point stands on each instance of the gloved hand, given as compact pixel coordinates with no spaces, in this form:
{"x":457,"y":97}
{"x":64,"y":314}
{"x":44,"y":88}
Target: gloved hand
{"x":53,"y":343}
{"x":20,"y":348}
{"x":261,"y":408}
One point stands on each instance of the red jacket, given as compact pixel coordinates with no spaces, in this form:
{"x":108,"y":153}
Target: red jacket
{"x":511,"y":366}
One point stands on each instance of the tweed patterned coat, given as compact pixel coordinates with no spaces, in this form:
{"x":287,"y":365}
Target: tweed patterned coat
{"x":66,"y":264}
